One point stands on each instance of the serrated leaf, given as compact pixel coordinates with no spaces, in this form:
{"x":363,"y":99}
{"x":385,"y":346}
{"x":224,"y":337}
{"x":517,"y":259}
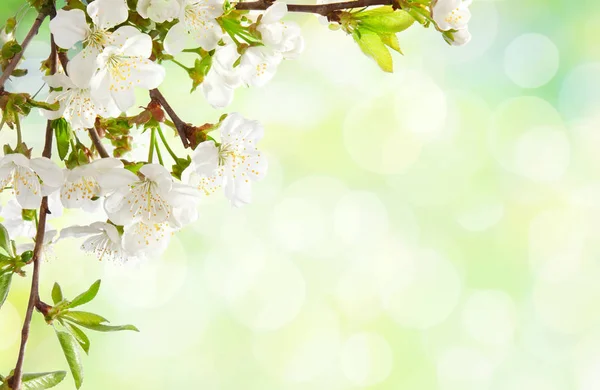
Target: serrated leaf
{"x":391,"y":40}
{"x":372,"y":45}
{"x":62,"y":132}
{"x":57,"y":295}
{"x":42,"y":380}
{"x":83,"y":318}
{"x":5,"y":280}
{"x":82,"y":339}
{"x":69,"y":347}
{"x":111,"y":328}
{"x":87,"y":296}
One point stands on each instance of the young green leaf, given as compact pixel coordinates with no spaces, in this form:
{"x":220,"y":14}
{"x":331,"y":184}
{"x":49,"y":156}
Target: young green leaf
{"x":69,"y":347}
{"x":42,"y":380}
{"x":5,"y":245}
{"x":5,"y":280}
{"x":87,"y":296}
{"x":385,"y":20}
{"x":110,"y":328}
{"x":57,"y":295}
{"x":83,"y":318}
{"x":391,"y":40}
{"x":62,"y":133}
{"x":81,"y":337}
{"x":372,"y":45}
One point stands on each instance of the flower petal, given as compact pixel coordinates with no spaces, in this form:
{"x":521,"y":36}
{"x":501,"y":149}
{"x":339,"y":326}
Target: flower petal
{"x":176,"y":39}
{"x":108,"y":13}
{"x":48,"y":171}
{"x":69,"y":27}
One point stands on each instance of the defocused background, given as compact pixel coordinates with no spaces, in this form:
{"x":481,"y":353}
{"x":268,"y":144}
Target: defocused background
{"x":435,"y":228}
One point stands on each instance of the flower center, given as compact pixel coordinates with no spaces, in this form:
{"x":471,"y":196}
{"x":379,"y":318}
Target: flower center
{"x":98,"y":38}
{"x":196,"y":16}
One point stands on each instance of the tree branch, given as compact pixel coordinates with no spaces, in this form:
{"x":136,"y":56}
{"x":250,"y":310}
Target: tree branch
{"x":34,"y":297}
{"x":32,"y":33}
{"x":321,"y":9}
{"x":97,"y":143}
{"x":180,"y":125}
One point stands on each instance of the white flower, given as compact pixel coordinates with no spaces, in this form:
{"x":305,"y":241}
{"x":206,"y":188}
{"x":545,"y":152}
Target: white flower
{"x":197,"y":26}
{"x":283,"y":37}
{"x":235,"y":162}
{"x":103,"y":240}
{"x":147,"y":239}
{"x":121,"y":69}
{"x":85,"y":183}
{"x":17,"y":226}
{"x":70,"y":27}
{"x":47,"y":252}
{"x":460,"y":37}
{"x":29,"y":179}
{"x":158,"y":10}
{"x":451,"y":14}
{"x":222,"y":79}
{"x":259,"y":64}
{"x":12,"y":215}
{"x":149,"y":199}
{"x":77,"y":105}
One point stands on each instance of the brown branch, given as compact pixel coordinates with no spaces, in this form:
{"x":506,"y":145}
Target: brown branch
{"x":180,"y":125}
{"x":64,"y":60}
{"x":321,"y":9}
{"x":98,"y":143}
{"x":34,"y":297}
{"x":32,"y":33}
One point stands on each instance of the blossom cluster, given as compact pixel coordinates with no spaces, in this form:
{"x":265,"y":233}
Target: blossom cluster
{"x":109,"y":50}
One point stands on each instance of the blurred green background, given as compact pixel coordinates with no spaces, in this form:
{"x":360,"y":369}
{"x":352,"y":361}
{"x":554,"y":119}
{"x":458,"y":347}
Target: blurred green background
{"x":436,"y":228}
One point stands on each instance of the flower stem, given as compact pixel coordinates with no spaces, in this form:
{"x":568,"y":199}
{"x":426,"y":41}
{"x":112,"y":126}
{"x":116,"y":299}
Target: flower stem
{"x":152,"y":145}
{"x":19,"y":135}
{"x":167,"y":146}
{"x":158,"y":153}
{"x":180,"y":64}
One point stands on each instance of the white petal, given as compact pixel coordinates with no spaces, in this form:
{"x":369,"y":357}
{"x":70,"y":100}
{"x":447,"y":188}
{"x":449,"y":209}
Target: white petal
{"x":176,"y":39}
{"x":59,"y":80}
{"x":147,"y":74}
{"x":108,"y":13}
{"x":208,"y":36}
{"x":139,"y":45}
{"x":274,"y":13}
{"x":27,"y":188}
{"x":205,"y":158}
{"x":142,"y":8}
{"x":83,"y":66}
{"x":116,"y":178}
{"x":156,"y":173}
{"x":238,"y":190}
{"x":48,"y":171}
{"x":149,"y":240}
{"x":124,"y":99}
{"x":69,"y":27}
{"x":77,"y":231}
{"x":123,"y":33}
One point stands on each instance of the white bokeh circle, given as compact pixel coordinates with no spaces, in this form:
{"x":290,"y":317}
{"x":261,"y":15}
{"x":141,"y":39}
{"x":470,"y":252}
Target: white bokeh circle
{"x":489,"y":317}
{"x":366,"y":359}
{"x":531,"y":60}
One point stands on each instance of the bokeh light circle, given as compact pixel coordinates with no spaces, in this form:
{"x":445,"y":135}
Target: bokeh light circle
{"x":489,"y":317}
{"x":531,"y":60}
{"x":366,"y":359}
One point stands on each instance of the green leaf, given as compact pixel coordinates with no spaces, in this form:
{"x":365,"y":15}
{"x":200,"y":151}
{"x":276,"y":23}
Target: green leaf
{"x":87,"y":296}
{"x":385,"y":20}
{"x":110,"y":328}
{"x":391,"y":40}
{"x":63,"y":136}
{"x":83,"y":318}
{"x":5,"y":242}
{"x":5,"y":286}
{"x":43,"y":105}
{"x":42,"y":380}
{"x":372,"y":45}
{"x":57,"y":295}
{"x":69,"y":347}
{"x":9,"y":49}
{"x":81,"y":337}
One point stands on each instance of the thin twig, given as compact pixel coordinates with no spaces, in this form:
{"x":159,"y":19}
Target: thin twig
{"x":12,"y":65}
{"x":180,"y":125}
{"x":64,"y":61}
{"x":34,"y":297}
{"x":321,"y":9}
{"x":98,"y":143}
